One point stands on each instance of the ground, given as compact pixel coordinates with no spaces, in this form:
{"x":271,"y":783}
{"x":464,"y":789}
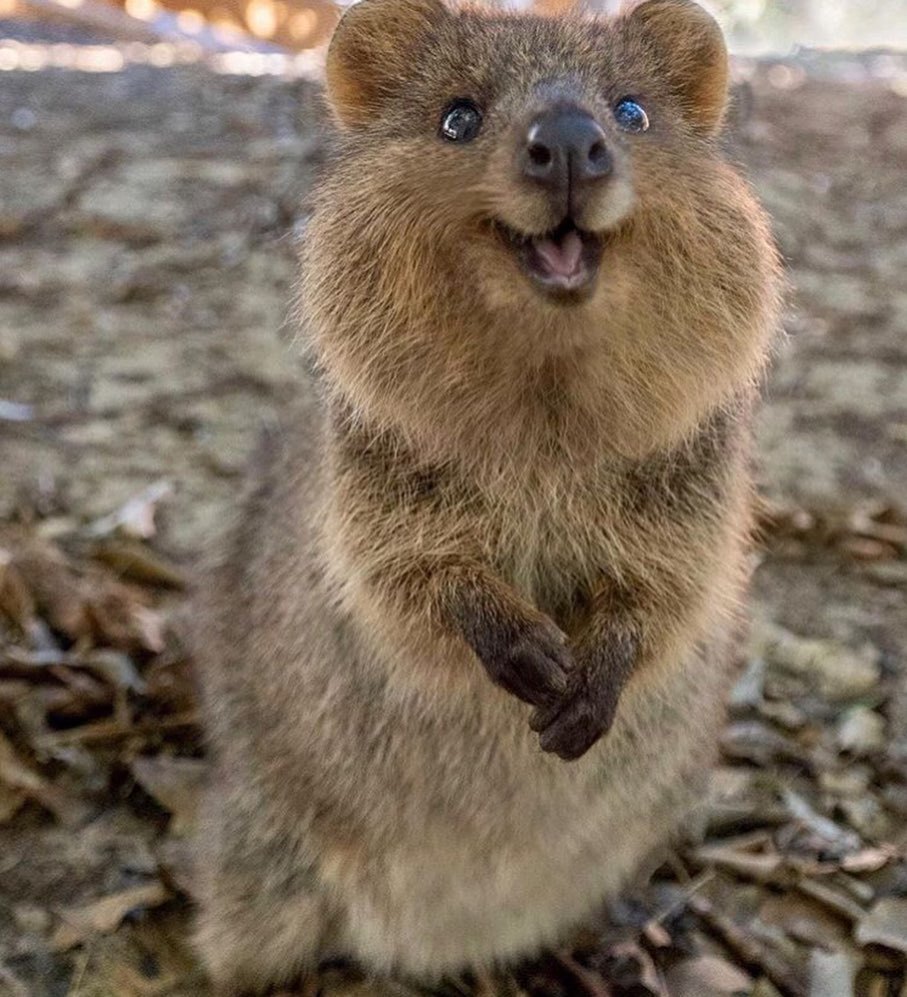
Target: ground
{"x":148,"y":221}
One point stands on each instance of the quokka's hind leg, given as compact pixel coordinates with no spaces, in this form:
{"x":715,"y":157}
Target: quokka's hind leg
{"x":263,"y":922}
{"x":259,"y":951}
{"x":252,"y":942}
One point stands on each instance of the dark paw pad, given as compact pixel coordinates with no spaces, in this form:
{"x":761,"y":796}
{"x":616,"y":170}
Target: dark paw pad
{"x":570,"y":727}
{"x":534,"y":665}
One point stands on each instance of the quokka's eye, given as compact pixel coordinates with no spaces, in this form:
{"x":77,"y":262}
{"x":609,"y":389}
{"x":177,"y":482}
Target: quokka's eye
{"x":461,"y":122}
{"x":630,"y":115}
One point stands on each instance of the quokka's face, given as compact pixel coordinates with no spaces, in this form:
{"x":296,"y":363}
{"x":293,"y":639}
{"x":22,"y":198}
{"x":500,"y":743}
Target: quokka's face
{"x":525,"y":147}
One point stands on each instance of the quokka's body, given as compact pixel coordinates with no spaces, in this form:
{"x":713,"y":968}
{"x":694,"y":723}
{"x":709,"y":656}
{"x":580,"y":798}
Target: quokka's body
{"x":465,"y":655}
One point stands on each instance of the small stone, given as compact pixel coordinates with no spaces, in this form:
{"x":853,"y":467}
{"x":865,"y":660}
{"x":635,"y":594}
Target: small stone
{"x":896,"y":799}
{"x":747,"y":693}
{"x":23,"y":119}
{"x":759,"y":744}
{"x":831,"y":974}
{"x":838,"y":673}
{"x":31,"y":919}
{"x":836,"y":837}
{"x":866,"y":815}
{"x":885,"y":924}
{"x":852,"y":781}
{"x":783,"y":714}
{"x":15,"y":411}
{"x":860,"y":731}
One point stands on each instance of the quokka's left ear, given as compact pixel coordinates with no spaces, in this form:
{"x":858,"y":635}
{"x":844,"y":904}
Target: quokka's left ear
{"x":692,"y":54}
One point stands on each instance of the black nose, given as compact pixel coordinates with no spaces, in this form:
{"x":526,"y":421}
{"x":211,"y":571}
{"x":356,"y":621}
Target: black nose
{"x":565,"y":147}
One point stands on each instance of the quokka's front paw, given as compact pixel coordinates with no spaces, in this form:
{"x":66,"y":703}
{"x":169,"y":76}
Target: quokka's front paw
{"x":570,"y":726}
{"x":530,"y":660}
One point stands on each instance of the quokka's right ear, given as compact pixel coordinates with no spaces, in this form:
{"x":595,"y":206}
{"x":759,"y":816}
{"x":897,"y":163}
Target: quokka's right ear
{"x":692,"y":53}
{"x":371,"y":54}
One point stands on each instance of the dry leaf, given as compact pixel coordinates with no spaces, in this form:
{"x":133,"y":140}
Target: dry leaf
{"x":867,"y":860}
{"x":656,"y":935}
{"x":175,"y":783}
{"x":761,"y":867}
{"x":171,"y":684}
{"x":707,"y":974}
{"x":16,"y":602}
{"x":842,"y":904}
{"x":868,"y":549}
{"x":624,"y":964}
{"x":21,"y":778}
{"x":119,"y":619}
{"x":135,"y":518}
{"x":114,"y":666}
{"x":54,"y":586}
{"x":105,"y":915}
{"x":137,"y":562}
{"x":747,"y":947}
{"x":176,"y":864}
{"x":85,"y":607}
{"x":752,"y":741}
{"x":79,"y":697}
{"x":11,"y":801}
{"x":798,"y":917}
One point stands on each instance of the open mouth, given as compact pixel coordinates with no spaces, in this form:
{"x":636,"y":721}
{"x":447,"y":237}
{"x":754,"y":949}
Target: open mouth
{"x":563,"y":262}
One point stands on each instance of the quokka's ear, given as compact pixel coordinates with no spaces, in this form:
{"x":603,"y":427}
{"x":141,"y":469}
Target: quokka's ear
{"x":371,"y":54}
{"x":692,"y":54}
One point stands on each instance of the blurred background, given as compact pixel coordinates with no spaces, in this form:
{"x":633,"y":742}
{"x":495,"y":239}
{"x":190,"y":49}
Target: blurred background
{"x":292,"y":26}
{"x":155,"y":157}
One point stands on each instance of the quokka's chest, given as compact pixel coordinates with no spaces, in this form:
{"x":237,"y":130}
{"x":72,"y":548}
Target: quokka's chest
{"x":556,"y":545}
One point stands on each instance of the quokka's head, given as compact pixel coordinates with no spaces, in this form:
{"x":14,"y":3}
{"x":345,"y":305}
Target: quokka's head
{"x":543,"y":184}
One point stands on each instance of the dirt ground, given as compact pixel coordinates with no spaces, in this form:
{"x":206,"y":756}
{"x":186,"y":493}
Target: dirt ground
{"x":148,"y":221}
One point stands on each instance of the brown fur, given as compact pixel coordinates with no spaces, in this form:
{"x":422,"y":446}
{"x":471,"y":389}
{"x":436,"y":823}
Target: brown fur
{"x":556,"y":492}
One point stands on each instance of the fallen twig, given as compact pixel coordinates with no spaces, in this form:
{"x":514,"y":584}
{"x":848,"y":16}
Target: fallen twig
{"x":113,"y":730}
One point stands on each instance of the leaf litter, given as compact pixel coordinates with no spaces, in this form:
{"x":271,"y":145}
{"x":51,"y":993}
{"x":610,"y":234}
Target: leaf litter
{"x":789,"y":886}
{"x":798,"y":882}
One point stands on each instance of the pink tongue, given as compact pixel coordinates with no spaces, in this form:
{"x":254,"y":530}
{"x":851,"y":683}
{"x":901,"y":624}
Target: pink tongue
{"x":561,"y":259}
